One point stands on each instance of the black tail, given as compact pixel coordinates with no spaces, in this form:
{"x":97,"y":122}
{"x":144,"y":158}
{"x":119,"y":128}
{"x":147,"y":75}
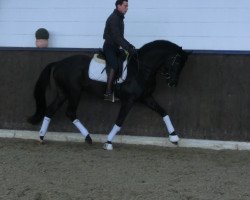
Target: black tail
{"x":39,"y":94}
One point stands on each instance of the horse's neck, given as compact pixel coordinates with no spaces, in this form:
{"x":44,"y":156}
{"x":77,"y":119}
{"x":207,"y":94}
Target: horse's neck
{"x":146,"y":67}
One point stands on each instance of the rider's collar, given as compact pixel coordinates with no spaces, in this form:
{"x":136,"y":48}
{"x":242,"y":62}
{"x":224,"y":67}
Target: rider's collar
{"x":121,"y":15}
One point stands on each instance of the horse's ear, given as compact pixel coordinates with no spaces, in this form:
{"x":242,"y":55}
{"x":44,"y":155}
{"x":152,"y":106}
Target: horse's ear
{"x":188,"y":52}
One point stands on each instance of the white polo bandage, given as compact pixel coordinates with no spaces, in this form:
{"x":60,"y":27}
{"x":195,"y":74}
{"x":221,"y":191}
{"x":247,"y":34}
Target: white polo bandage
{"x":80,"y":127}
{"x":44,"y":126}
{"x":113,"y":132}
{"x":168,"y":123}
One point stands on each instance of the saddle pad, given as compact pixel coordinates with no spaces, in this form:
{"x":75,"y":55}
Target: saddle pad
{"x":97,"y":70}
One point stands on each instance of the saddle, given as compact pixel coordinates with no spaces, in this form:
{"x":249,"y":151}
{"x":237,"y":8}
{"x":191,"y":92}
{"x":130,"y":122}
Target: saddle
{"x":98,"y":66}
{"x":121,"y":58}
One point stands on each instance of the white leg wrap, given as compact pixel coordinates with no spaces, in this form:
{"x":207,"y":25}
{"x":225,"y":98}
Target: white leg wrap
{"x":45,"y":126}
{"x":168,"y":123}
{"x":80,"y":127}
{"x":113,"y":132}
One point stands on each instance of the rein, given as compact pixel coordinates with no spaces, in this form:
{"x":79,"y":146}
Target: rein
{"x":137,"y":60}
{"x":136,"y":57}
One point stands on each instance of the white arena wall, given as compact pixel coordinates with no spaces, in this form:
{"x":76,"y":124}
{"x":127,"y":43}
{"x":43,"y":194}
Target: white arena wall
{"x":193,"y":24}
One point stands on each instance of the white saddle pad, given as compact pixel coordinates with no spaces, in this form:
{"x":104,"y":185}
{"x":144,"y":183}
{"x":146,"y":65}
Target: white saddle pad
{"x":97,"y":72}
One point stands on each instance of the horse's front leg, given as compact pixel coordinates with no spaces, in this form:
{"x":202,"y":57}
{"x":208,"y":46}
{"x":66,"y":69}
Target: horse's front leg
{"x":152,"y":103}
{"x":124,"y":110}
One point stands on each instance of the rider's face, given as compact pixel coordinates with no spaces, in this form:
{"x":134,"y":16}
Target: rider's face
{"x":123,"y":8}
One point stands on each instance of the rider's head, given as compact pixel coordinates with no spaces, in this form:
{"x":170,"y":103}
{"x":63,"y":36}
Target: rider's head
{"x":122,"y":6}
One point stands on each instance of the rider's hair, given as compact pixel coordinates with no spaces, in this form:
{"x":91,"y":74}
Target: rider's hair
{"x":119,"y":2}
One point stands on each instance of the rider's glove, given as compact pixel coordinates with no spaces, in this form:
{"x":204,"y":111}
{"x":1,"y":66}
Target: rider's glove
{"x":132,"y":50}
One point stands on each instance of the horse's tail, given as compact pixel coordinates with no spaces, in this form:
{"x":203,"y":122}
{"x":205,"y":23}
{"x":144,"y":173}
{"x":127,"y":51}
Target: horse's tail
{"x":40,"y":94}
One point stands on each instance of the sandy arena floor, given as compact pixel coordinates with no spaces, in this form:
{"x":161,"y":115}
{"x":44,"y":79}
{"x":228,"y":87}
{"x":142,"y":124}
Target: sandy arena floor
{"x":78,"y":171}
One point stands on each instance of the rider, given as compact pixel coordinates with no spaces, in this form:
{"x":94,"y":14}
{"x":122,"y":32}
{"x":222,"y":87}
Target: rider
{"x":114,"y":40}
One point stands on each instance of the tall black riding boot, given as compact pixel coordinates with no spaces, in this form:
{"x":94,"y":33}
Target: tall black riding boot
{"x":109,"y":95}
{"x":110,"y":81}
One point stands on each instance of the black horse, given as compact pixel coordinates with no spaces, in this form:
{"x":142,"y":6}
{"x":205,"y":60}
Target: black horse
{"x":71,"y":78}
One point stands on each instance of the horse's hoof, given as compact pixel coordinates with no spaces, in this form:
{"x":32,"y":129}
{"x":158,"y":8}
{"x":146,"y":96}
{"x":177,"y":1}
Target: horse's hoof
{"x":175,"y":143}
{"x":88,"y":139}
{"x":41,"y":141}
{"x":108,"y":146}
{"x":173,"y":137}
{"x":41,"y":138}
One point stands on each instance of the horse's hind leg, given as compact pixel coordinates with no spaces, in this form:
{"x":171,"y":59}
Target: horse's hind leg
{"x":71,"y":114}
{"x":124,"y":110}
{"x":152,"y":103}
{"x":50,"y":111}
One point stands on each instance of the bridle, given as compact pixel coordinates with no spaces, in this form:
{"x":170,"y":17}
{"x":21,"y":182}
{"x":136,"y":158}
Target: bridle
{"x":175,"y":57}
{"x":166,"y":75}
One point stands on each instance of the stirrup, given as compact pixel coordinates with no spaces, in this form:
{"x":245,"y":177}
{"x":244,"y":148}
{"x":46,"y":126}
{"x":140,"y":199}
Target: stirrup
{"x":108,"y":146}
{"x":111,"y":97}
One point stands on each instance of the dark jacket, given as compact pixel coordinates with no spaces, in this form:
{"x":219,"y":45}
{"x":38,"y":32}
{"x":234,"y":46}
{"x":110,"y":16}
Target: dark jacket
{"x":114,"y":31}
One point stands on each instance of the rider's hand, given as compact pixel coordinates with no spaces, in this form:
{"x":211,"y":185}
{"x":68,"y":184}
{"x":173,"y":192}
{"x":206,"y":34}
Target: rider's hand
{"x":132,"y":50}
{"x":131,"y":46}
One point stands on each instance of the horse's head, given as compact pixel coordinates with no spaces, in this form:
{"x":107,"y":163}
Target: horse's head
{"x":162,"y":53}
{"x":173,"y":67}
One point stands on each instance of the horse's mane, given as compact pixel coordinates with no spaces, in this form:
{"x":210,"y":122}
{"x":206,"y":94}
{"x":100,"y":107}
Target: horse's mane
{"x":157,"y":44}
